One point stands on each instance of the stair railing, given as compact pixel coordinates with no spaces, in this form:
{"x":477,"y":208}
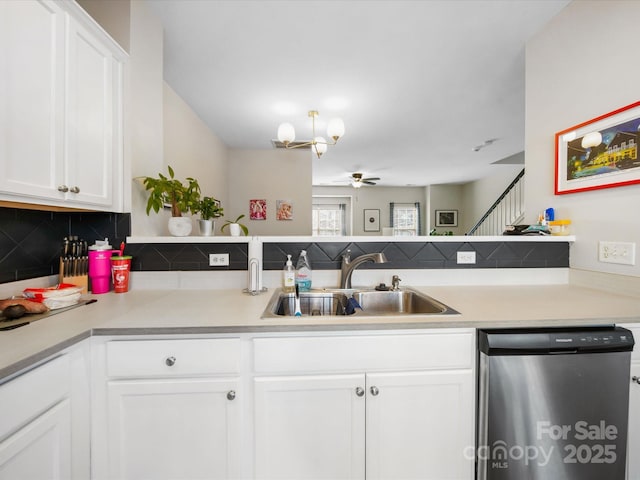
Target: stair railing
{"x":508,"y":209}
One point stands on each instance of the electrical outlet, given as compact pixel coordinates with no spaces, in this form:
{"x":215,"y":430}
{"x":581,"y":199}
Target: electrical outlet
{"x":623,"y":253}
{"x":218,"y":259}
{"x":466,"y":257}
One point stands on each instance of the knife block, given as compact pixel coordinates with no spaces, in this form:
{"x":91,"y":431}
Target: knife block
{"x":78,"y":280}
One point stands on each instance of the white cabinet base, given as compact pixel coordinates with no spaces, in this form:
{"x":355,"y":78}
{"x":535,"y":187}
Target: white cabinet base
{"x":171,"y":428}
{"x":40,"y":450}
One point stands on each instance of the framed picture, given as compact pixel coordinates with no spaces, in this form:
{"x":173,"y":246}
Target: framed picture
{"x":371,"y":220}
{"x":284,"y":210}
{"x":600,"y":153}
{"x":446,"y":218}
{"x":258,"y":209}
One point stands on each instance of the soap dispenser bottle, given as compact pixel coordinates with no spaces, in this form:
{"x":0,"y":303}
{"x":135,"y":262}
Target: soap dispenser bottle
{"x":303,"y":272}
{"x":288,"y":276}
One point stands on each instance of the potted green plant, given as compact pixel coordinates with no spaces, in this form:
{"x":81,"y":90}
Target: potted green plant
{"x":209,"y":209}
{"x":235,"y":226}
{"x":181,"y":197}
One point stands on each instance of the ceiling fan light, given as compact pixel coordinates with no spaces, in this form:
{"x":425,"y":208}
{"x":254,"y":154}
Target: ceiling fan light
{"x":356,"y":184}
{"x":286,"y":133}
{"x":319,"y":146}
{"x":592,"y":139}
{"x":335,"y":129}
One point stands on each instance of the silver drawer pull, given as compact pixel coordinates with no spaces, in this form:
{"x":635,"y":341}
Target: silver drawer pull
{"x":374,"y":391}
{"x":636,"y":379}
{"x":170,"y":361}
{"x":74,"y":190}
{"x":359,"y":391}
{"x":63,"y":188}
{"x":231,"y":395}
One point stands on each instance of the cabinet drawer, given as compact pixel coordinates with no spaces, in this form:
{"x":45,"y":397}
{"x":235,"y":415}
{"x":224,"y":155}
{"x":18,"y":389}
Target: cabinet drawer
{"x":446,"y":350}
{"x":167,"y":358}
{"x":27,"y":396}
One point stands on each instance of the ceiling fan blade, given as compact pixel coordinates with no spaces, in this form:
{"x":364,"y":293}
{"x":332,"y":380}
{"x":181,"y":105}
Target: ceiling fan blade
{"x":370,"y":179}
{"x":367,"y":182}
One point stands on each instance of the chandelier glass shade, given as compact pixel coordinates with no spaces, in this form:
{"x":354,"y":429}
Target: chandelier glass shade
{"x":318,"y":144}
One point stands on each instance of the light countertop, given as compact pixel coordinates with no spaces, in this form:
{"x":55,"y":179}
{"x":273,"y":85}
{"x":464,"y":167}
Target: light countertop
{"x":231,"y":311}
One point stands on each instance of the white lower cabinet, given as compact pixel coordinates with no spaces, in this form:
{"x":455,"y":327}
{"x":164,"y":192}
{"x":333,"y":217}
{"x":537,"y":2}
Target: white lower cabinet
{"x":167,"y":409}
{"x":419,"y":425}
{"x":41,"y":449}
{"x":44,"y":428}
{"x":633,"y":460}
{"x":633,"y":441}
{"x":173,"y":428}
{"x":400,"y":424}
{"x":310,"y":427}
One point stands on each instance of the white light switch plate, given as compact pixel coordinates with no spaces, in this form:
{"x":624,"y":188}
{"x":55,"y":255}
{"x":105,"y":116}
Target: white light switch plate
{"x":623,"y":253}
{"x":466,"y":257}
{"x":218,"y":259}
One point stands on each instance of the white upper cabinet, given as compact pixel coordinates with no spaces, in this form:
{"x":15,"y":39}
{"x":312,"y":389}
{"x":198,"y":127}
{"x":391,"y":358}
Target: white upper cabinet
{"x":31,"y":97}
{"x":60,"y":107}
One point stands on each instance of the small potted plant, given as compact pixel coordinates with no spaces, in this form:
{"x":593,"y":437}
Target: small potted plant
{"x":181,"y":197}
{"x":235,"y":226}
{"x":209,"y":209}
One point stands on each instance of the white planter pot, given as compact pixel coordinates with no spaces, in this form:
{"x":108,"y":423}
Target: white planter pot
{"x":234,"y":229}
{"x":207,"y":227}
{"x":180,"y":226}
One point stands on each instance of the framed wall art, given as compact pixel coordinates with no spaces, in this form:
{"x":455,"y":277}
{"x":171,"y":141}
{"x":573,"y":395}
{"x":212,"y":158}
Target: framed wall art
{"x":446,"y":218}
{"x":599,"y":153}
{"x":284,"y":210}
{"x":258,"y":209}
{"x":371,"y":220}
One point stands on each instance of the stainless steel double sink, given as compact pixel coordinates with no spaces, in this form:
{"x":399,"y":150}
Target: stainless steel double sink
{"x":356,"y":302}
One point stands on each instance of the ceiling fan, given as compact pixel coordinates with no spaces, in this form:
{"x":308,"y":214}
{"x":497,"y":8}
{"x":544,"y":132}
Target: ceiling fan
{"x":357,"y":181}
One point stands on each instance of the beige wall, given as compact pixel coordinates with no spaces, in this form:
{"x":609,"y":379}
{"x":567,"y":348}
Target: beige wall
{"x":114,"y":16}
{"x":446,"y":197}
{"x":577,"y":71}
{"x":377,"y":197}
{"x":193,"y":149}
{"x":270,"y":175}
{"x":143,"y":101}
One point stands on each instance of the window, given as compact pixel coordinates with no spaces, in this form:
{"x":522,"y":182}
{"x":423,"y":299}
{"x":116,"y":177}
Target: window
{"x":329,"y":219}
{"x":405,"y":218}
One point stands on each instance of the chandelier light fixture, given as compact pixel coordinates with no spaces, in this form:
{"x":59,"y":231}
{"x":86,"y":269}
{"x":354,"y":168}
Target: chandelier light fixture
{"x":335,"y":130}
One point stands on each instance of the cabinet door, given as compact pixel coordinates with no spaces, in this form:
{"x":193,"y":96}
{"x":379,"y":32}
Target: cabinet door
{"x":633,"y":460}
{"x":41,"y":449}
{"x":420,"y":425}
{"x":91,"y":107}
{"x":31,"y":97}
{"x":309,"y":427}
{"x":173,"y":428}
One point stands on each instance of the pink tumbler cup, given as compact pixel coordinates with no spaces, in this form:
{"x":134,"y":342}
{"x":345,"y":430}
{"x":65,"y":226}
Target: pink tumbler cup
{"x":100,"y":269}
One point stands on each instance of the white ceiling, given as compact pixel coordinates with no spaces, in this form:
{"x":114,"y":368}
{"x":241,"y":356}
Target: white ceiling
{"x":417,"y":83}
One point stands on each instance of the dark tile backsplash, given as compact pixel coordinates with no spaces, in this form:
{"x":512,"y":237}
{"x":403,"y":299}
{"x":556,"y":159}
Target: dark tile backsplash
{"x":30,"y":245}
{"x":328,"y":256}
{"x":185,"y":256}
{"x":31,"y":240}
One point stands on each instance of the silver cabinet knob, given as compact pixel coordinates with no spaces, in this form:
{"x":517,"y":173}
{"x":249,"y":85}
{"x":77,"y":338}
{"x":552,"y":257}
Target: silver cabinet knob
{"x":63,"y":188}
{"x":374,"y":391}
{"x":170,"y":361}
{"x":231,"y":395}
{"x":636,"y":379}
{"x":74,"y":190}
{"x":359,"y":391}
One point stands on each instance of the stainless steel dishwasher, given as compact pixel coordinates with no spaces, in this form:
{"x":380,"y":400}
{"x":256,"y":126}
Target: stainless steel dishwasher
{"x":553,"y":404}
